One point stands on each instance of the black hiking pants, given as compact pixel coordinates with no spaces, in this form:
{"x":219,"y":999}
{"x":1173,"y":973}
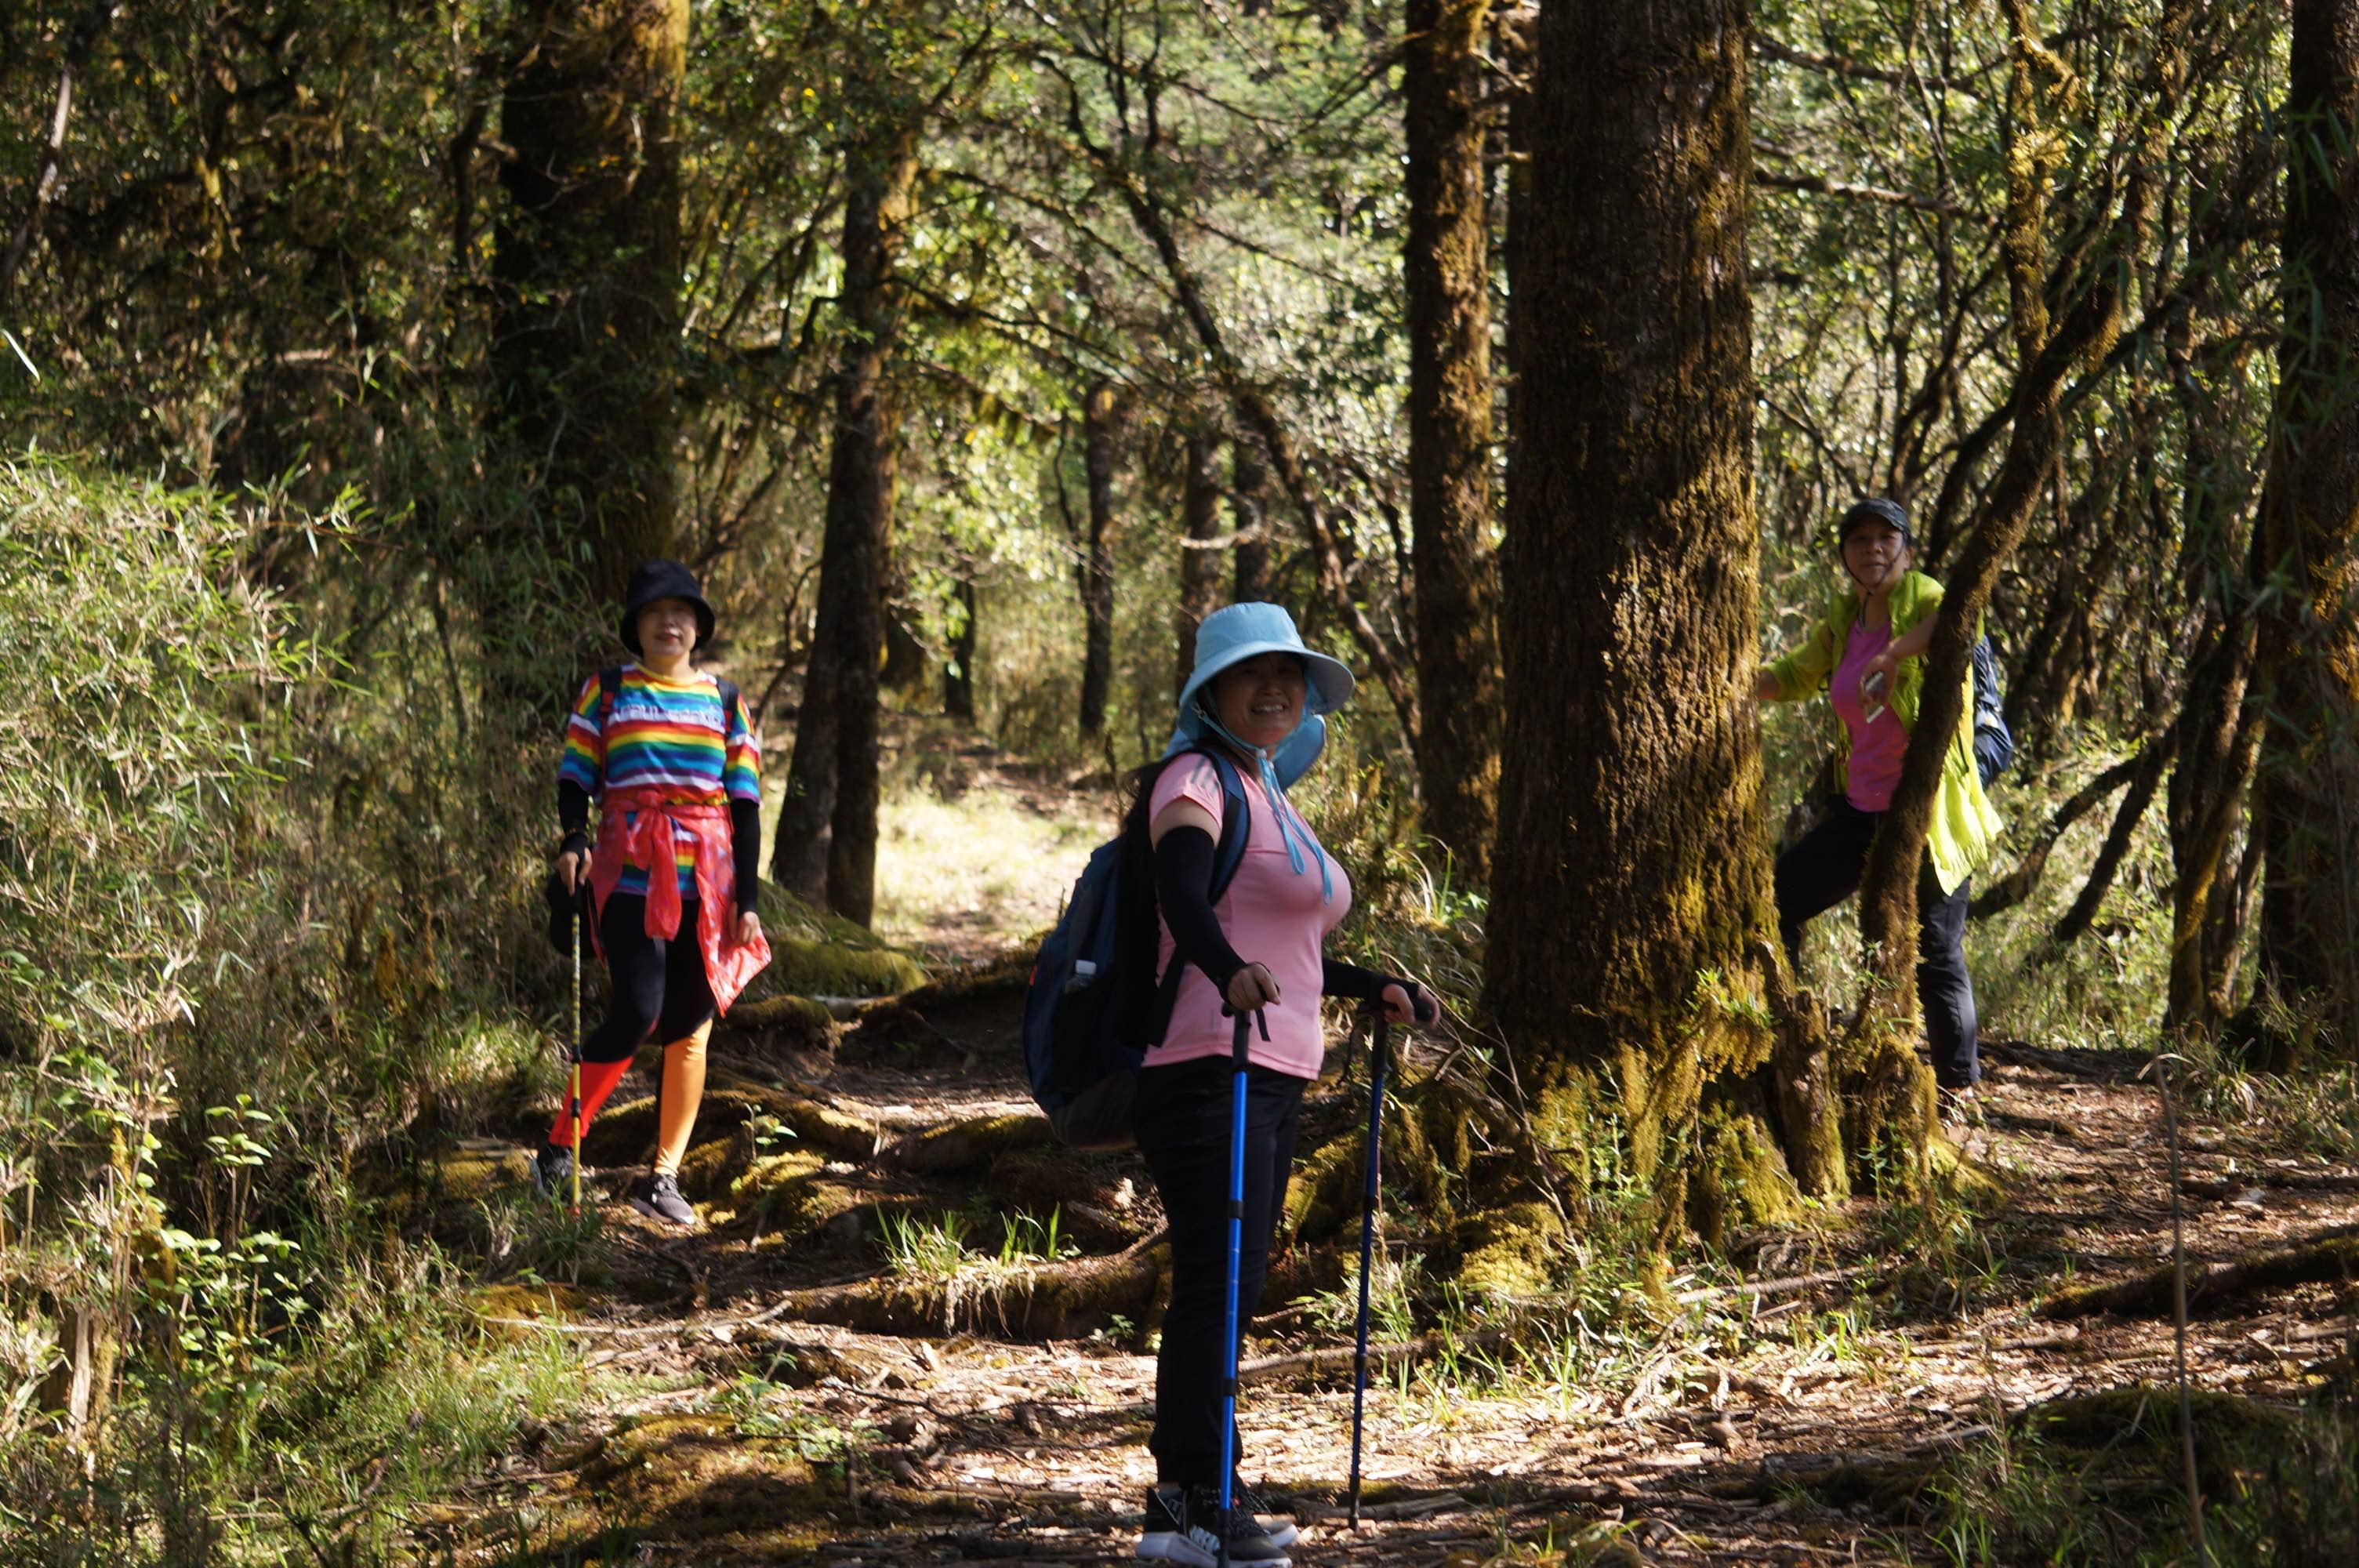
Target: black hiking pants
{"x":654,"y":981}
{"x":1824,"y":867}
{"x":1182,"y":1123}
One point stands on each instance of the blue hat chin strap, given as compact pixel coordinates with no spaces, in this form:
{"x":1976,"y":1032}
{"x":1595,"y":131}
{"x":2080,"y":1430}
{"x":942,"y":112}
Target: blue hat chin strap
{"x":1292,"y":831}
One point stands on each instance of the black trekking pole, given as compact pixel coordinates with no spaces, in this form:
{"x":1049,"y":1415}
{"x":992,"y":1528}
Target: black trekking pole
{"x":574,"y":1106}
{"x":1240,"y":1056}
{"x":1379,"y":1058}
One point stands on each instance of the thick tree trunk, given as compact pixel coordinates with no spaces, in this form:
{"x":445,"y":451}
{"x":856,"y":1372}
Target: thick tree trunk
{"x":587,"y":321}
{"x":906,"y":660}
{"x":1200,"y":564}
{"x":1626,"y":960}
{"x":1101,"y":414}
{"x":1249,"y":517}
{"x":2308,"y":782}
{"x":1889,"y":1099}
{"x":958,"y":675}
{"x":1446,"y":266}
{"x":826,"y":846}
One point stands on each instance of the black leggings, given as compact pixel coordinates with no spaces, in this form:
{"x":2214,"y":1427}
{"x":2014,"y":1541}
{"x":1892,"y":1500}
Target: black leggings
{"x":1823,"y":869}
{"x":1182,"y":1121}
{"x":658,"y":986}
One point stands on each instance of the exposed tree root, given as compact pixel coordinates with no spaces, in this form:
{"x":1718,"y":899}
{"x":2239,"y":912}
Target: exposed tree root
{"x":622,"y":1134}
{"x":1054,"y":1301}
{"x":969,"y":1144}
{"x":2334,"y":1256}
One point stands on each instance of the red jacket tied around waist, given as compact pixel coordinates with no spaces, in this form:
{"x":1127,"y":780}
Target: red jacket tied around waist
{"x":645,"y":828}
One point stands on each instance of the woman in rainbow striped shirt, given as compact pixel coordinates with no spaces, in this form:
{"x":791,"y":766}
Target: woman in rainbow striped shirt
{"x":665,"y":752}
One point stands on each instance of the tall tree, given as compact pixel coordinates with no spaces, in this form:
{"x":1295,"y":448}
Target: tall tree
{"x":1249,"y":514}
{"x":588,"y":264}
{"x":1199,"y":563}
{"x":2309,"y":779}
{"x":1093,"y":571}
{"x":826,"y":844}
{"x":1631,"y":779}
{"x":1447,"y":267}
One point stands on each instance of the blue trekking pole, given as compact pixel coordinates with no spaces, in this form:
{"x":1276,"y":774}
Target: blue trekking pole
{"x":1239,"y":1055}
{"x":1379,"y":1058}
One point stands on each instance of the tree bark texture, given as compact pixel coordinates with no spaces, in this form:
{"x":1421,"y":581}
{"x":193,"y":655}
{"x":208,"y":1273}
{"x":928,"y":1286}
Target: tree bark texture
{"x":1101,"y":418}
{"x":2309,"y":780}
{"x":1249,"y":517}
{"x":1200,"y":564}
{"x":1446,"y":269}
{"x":587,"y":266}
{"x":826,"y":845}
{"x":1632,"y":775}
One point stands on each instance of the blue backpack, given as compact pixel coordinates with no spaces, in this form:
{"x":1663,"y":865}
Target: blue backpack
{"x":1095,"y":1004}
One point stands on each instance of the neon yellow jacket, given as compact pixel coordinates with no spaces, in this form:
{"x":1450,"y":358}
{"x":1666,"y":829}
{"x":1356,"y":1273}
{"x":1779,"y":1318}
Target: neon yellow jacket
{"x":1963,"y":828}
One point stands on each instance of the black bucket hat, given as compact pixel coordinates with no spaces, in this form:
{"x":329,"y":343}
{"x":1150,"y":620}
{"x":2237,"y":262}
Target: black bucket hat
{"x":1875,"y":510}
{"x":662,"y":579}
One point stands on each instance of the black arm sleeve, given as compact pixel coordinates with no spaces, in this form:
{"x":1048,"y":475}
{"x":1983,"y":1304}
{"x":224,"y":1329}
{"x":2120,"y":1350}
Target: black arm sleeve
{"x":1183,"y":884}
{"x":1337,"y":978}
{"x":745,"y":849}
{"x":573,"y":813}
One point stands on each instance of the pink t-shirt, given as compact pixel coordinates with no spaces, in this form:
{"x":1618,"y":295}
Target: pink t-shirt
{"x":1875,"y":748}
{"x":1271,"y":916}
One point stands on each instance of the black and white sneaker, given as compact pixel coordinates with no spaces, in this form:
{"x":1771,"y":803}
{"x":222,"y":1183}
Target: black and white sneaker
{"x":1253,"y":1506}
{"x":552,"y":1170}
{"x":660,"y":1198}
{"x":1184,"y":1527}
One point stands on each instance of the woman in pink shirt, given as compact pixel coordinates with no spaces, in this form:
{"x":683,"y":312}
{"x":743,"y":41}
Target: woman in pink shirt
{"x":1867,"y":654}
{"x":1255,"y":695}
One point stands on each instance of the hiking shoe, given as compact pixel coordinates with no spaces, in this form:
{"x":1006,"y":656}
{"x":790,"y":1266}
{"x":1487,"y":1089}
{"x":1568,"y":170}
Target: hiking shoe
{"x":660,"y":1198}
{"x":1184,"y":1527}
{"x":552,"y":1170}
{"x":1963,"y":1107}
{"x":1253,"y":1506}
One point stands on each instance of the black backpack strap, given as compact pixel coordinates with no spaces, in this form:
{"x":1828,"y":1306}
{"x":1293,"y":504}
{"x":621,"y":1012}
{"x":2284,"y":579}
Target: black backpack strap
{"x":729,"y":704}
{"x":1236,"y":824}
{"x":609,"y":689}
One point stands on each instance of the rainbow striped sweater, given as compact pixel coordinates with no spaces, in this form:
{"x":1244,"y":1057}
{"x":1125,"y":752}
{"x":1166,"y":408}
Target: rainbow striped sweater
{"x":669,"y":735}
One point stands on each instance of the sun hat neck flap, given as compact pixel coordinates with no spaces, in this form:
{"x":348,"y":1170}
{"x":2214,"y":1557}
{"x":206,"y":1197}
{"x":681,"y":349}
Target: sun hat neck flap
{"x":663,"y":579}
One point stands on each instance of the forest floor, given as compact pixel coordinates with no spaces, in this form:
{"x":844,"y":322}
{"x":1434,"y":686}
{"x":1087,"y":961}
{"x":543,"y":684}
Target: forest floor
{"x":855,"y":1359}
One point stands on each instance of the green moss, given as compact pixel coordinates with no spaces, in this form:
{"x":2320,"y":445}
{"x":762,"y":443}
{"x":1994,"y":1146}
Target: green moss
{"x":1325,"y":1190}
{"x":815,"y":954}
{"x":623,"y":1132}
{"x":1739,"y":1177}
{"x":1507,"y":1251}
{"x":698,"y":1479}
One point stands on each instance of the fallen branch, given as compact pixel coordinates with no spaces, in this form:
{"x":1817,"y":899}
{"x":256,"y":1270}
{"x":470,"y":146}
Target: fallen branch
{"x":2333,"y":1255}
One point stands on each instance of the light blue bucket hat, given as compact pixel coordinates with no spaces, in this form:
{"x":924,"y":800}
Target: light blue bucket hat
{"x":1231,"y":637}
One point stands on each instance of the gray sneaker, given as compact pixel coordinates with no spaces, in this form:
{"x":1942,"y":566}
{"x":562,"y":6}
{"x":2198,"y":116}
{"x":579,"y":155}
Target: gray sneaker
{"x":660,"y":1198}
{"x":552,"y":1170}
{"x":1251,"y":1504}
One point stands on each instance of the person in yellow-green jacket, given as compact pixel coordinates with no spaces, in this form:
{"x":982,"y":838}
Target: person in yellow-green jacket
{"x":1867,"y":654}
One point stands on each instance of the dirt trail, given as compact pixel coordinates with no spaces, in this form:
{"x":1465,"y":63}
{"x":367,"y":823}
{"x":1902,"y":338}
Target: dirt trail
{"x":977,"y":1443}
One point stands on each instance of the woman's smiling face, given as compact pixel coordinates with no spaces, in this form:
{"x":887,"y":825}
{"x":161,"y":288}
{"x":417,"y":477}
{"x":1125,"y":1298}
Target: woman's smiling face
{"x":1260,"y":700}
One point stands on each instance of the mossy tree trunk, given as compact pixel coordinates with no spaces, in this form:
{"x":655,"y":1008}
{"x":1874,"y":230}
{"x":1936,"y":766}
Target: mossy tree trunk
{"x":2308,"y":783}
{"x":1093,"y":571}
{"x":586,"y":327}
{"x":1446,"y":266}
{"x":1627,"y":965}
{"x":826,"y":845}
{"x":1888,"y":1101}
{"x":1200,"y":564}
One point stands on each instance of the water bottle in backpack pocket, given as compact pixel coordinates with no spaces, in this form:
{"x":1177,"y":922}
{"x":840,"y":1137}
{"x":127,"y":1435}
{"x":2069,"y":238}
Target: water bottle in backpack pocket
{"x":1095,"y":1004}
